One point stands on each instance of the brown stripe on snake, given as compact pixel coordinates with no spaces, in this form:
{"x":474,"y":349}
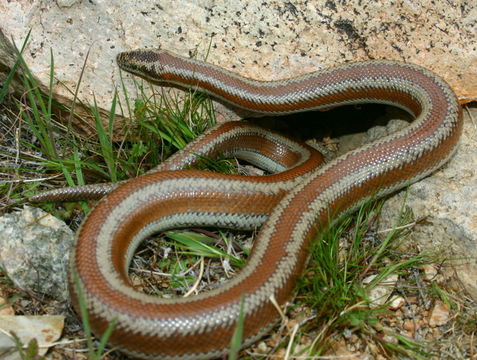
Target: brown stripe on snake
{"x":200,"y":327}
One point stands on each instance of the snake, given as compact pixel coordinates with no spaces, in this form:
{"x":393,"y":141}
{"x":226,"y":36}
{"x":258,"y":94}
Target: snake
{"x":291,"y":206}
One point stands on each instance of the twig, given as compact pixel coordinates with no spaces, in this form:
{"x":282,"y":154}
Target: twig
{"x":199,"y":278}
{"x":275,"y":303}
{"x":411,"y":224}
{"x":290,"y":343}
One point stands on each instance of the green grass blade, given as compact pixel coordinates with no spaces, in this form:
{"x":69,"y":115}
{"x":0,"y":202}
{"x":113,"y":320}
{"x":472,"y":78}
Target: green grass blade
{"x":104,"y":339}
{"x":105,"y":139}
{"x":237,"y":337}
{"x":11,"y":74}
{"x":195,"y":244}
{"x":94,"y":354}
{"x":83,"y":312}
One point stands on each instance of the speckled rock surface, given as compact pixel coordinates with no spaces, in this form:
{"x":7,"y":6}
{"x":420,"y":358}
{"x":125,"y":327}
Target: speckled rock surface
{"x":260,"y":39}
{"x":446,"y":201}
{"x":35,"y":251}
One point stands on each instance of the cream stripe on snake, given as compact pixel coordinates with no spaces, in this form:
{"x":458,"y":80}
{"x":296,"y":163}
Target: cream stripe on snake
{"x":200,"y":327}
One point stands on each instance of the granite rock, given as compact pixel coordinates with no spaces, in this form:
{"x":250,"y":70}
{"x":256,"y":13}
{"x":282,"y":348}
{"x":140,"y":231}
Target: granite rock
{"x":263,"y":40}
{"x":446,"y":201}
{"x":35,"y":251}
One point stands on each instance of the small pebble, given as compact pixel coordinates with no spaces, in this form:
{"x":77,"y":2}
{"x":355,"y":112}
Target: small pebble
{"x":5,"y":308}
{"x":396,"y":303}
{"x":409,"y":326}
{"x":439,"y":315}
{"x":262,"y":347}
{"x":430,"y":271}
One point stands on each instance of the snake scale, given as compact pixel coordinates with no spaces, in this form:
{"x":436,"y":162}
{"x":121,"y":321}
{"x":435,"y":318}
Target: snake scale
{"x":291,"y":205}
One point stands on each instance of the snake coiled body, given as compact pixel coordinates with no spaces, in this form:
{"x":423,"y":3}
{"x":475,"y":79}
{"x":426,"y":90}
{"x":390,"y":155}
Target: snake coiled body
{"x":293,"y":206}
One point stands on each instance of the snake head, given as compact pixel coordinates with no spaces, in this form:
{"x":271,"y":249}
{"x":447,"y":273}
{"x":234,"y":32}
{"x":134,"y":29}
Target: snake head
{"x":145,"y":63}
